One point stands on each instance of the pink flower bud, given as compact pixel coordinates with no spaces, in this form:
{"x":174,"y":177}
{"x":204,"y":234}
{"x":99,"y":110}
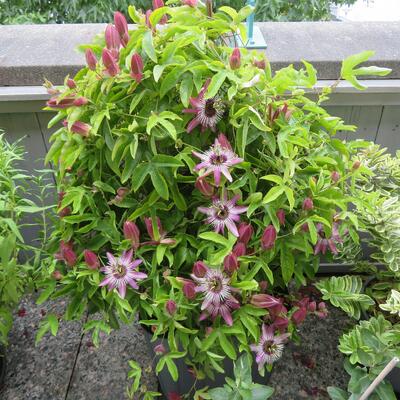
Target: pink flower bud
{"x":173,"y":396}
{"x":240,"y":249}
{"x":280,"y":214}
{"x":199,"y":269}
{"x":57,"y":275}
{"x":268,"y":238}
{"x":189,"y":289}
{"x":299,"y":315}
{"x":281,"y":323}
{"x":159,"y":4}
{"x":231,"y":263}
{"x":308,"y":204}
{"x":335,"y":176}
{"x":245,"y":232}
{"x":69,"y":257}
{"x":91,"y":59}
{"x":160,"y":349}
{"x":137,"y":67}
{"x":312,"y":306}
{"x":149,"y":227}
{"x":322,"y":310}
{"x":148,"y":23}
{"x":113,"y":41}
{"x":263,"y":286}
{"x":122,"y":27}
{"x":91,"y":259}
{"x":64,"y":212}
{"x":60,"y":104}
{"x":71,"y":83}
{"x":356,"y":165}
{"x":190,"y":3}
{"x":79,"y":127}
{"x":265,"y":301}
{"x":234,"y":60}
{"x":260,"y":64}
{"x":111,"y":67}
{"x":224,"y":142}
{"x":171,"y":307}
{"x":80,"y":101}
{"x":132,"y":233}
{"x":204,"y":187}
{"x":305,"y":228}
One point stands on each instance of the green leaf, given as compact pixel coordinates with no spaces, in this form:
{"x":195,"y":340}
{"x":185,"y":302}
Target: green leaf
{"x":170,"y":80}
{"x":148,"y":46}
{"x":261,"y":392}
{"x":287,"y":263}
{"x":227,"y":346}
{"x":215,"y":237}
{"x":220,"y":394}
{"x":273,"y":194}
{"x":172,"y":368}
{"x":53,"y":323}
{"x":215,"y":84}
{"x":159,"y":184}
{"x":337,"y":393}
{"x":139,"y":175}
{"x":45,"y":293}
{"x":186,"y":89}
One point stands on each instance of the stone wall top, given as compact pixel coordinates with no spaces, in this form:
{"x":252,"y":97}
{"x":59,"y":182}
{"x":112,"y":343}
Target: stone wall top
{"x":30,"y":53}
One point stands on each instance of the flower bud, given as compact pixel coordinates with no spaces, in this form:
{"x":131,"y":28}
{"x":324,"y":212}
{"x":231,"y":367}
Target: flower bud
{"x":57,"y":275}
{"x":171,"y":307}
{"x":190,"y":3}
{"x":322,"y":310}
{"x":173,"y":396}
{"x":111,"y":67}
{"x":224,"y":142}
{"x":263,"y":285}
{"x":234,"y":60}
{"x":122,"y":27}
{"x":281,"y":323}
{"x":159,"y":4}
{"x":79,"y":127}
{"x":149,"y":227}
{"x":199,"y":269}
{"x":356,"y":165}
{"x":335,"y":176}
{"x":308,"y":204}
{"x":147,"y":16}
{"x":71,"y":83}
{"x":113,"y":41}
{"x":80,"y":101}
{"x":312,"y":306}
{"x":204,"y":187}
{"x":260,"y":64}
{"x":132,"y":233}
{"x":64,"y":212}
{"x":299,"y":315}
{"x":268,"y":238}
{"x":69,"y":257}
{"x":240,"y":249}
{"x":231,"y":263}
{"x":91,"y":259}
{"x":245,"y":232}
{"x":60,"y":104}
{"x":137,"y":67}
{"x":265,"y":301}
{"x":189,"y":289}
{"x":305,"y":228}
{"x":91,"y":59}
{"x":280,"y":214}
{"x":160,"y":349}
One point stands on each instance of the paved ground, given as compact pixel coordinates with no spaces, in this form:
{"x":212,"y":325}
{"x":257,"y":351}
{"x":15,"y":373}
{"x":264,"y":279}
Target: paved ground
{"x":69,"y":367}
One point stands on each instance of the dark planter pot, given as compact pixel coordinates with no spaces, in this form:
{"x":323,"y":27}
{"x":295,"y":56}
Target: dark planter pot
{"x":394,"y":376}
{"x":187,"y":383}
{"x":2,"y":366}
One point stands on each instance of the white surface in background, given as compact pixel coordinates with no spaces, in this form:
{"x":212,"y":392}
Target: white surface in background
{"x":369,"y":10}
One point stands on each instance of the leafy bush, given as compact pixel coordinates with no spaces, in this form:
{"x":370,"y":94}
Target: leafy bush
{"x":212,"y":218}
{"x":85,"y":11}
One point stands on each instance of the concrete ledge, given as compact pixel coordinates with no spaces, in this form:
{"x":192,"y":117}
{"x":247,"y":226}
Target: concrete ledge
{"x":28,"y":53}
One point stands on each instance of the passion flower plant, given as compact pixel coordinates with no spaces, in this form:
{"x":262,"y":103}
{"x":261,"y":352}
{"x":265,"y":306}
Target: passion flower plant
{"x":206,"y":237}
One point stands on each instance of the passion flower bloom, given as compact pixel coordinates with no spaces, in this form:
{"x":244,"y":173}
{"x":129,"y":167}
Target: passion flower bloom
{"x":270,"y":347}
{"x":218,"y":298}
{"x":208,"y":111}
{"x":217,"y":160}
{"x":122,"y":271}
{"x":323,"y":243}
{"x":224,"y":213}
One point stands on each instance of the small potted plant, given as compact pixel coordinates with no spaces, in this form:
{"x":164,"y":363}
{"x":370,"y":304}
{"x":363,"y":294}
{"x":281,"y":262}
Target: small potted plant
{"x":194,"y":187}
